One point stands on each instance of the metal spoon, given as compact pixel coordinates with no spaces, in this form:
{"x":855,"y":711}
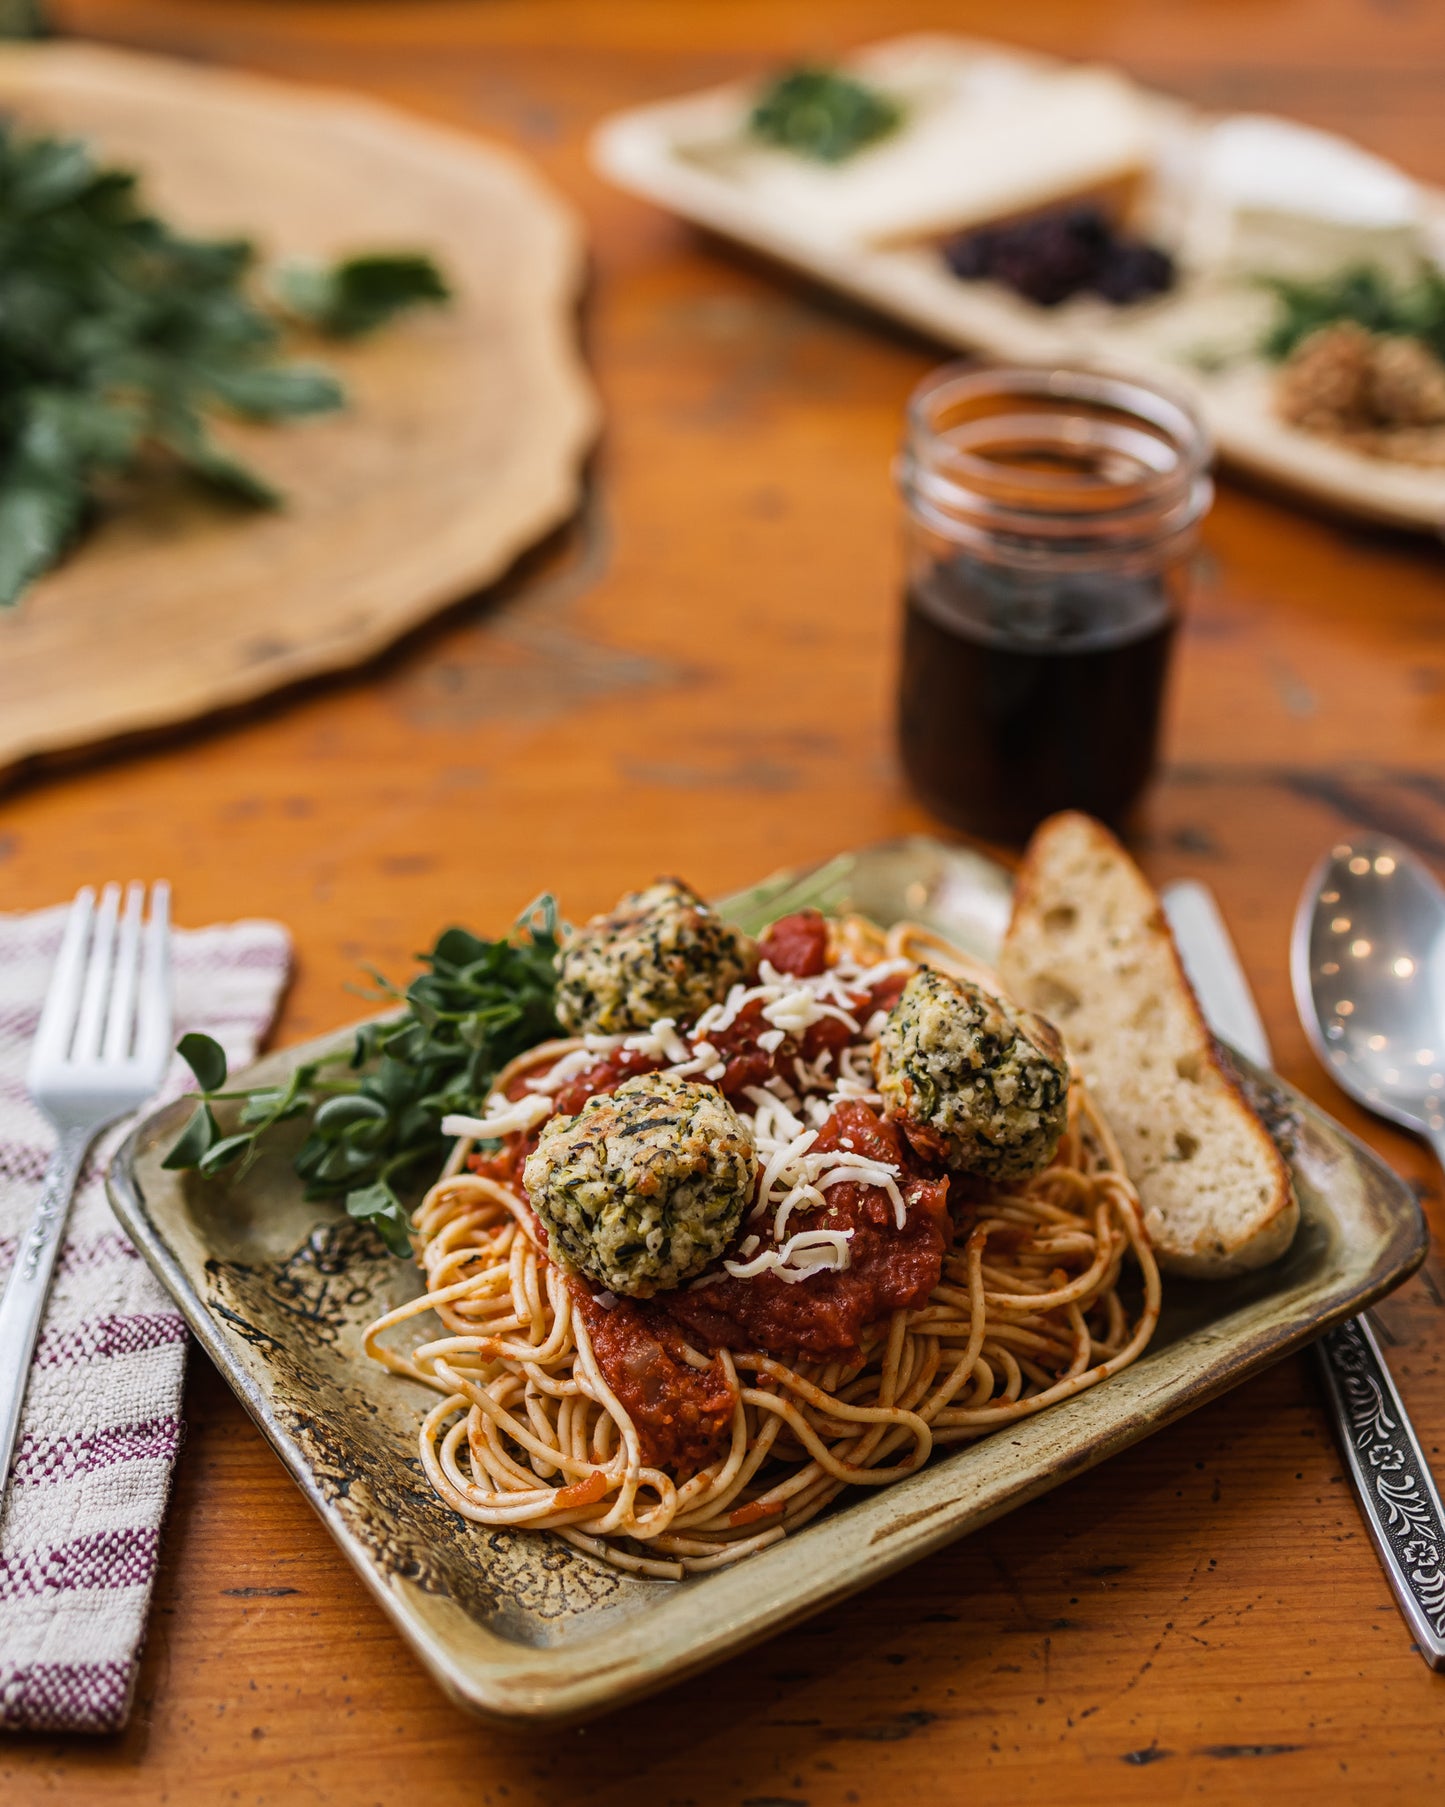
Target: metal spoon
{"x":1368,"y":964}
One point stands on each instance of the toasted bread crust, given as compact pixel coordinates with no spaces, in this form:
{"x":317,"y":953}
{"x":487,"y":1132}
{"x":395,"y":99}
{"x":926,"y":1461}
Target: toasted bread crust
{"x":1246,"y":1215}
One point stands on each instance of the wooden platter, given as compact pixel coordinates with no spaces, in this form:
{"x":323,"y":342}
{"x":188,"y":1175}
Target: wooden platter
{"x":683,"y":154}
{"x":462,"y":444}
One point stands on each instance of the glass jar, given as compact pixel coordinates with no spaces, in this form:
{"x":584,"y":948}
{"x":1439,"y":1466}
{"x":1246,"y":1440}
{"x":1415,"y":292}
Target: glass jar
{"x":1051,"y":516}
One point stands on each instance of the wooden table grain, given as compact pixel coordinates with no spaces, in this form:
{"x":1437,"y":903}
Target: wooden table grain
{"x":697,"y":677}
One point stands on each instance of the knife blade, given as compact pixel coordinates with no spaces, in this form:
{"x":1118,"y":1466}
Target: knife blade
{"x":1213,"y":969}
{"x":1396,"y":1493}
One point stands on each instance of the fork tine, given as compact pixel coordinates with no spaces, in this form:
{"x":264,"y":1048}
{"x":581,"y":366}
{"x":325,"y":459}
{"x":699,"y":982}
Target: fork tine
{"x":93,"y":998}
{"x":62,"y":996}
{"x":153,"y":1023}
{"x":120,"y":1020}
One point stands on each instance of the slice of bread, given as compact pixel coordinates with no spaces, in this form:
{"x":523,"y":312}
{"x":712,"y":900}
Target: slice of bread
{"x":1089,"y":948}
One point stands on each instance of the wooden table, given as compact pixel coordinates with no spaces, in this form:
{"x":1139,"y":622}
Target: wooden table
{"x":1202,"y":1618}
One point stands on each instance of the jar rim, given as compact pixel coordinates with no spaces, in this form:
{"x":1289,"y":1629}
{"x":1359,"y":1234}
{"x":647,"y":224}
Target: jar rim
{"x":1131,"y":402}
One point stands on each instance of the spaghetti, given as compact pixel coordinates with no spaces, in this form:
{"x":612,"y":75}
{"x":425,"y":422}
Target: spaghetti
{"x":529,"y":1430}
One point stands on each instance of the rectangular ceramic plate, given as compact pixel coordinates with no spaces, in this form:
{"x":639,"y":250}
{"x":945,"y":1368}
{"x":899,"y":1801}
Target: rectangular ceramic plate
{"x":516,"y":1624}
{"x":690,"y":156}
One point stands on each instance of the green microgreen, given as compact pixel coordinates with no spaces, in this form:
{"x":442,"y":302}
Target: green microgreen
{"x":822,"y":114}
{"x":1364,"y":295}
{"x":374,"y":1108}
{"x":358,"y":294}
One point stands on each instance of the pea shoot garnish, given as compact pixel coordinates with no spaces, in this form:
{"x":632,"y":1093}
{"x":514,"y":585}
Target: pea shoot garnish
{"x":375,"y":1108}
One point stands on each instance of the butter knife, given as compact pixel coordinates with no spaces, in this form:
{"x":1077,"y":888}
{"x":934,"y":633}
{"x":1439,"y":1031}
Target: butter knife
{"x":1397,"y":1495}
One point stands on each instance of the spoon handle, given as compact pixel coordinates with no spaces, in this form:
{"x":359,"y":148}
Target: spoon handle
{"x":1397,"y":1494}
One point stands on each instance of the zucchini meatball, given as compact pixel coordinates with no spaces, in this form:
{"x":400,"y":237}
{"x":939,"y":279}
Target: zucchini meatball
{"x":645,"y":1185}
{"x":661,"y":952}
{"x":973,"y":1081}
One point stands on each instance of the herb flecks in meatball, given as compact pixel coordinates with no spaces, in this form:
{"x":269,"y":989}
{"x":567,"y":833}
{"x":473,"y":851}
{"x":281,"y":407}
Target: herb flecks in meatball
{"x":662,"y":952}
{"x":645,"y":1185}
{"x":973,"y":1082}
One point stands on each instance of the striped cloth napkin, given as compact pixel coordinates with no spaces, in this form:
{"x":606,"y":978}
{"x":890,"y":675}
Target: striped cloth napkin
{"x":81,"y":1523}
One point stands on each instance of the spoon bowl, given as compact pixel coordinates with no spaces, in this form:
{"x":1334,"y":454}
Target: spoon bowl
{"x":1368,"y":965}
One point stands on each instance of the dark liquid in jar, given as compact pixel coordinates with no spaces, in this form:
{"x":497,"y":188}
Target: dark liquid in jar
{"x":1022,"y":695}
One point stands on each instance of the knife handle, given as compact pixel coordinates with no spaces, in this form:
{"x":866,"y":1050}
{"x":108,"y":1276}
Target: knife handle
{"x":1397,"y":1494}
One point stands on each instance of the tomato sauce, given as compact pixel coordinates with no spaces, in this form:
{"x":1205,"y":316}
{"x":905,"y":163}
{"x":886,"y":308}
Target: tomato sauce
{"x":683,"y":1414}
{"x":606,"y":1076}
{"x":747,"y":1063}
{"x":824,"y":1316}
{"x":798,"y":944}
{"x":506,"y":1163}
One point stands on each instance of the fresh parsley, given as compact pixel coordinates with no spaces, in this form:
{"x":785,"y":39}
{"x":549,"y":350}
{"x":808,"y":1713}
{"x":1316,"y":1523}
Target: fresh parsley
{"x":823,"y":115}
{"x":120,"y":337}
{"x":358,"y":294}
{"x":1365,"y":295}
{"x":375,"y":1109}
{"x":23,"y":19}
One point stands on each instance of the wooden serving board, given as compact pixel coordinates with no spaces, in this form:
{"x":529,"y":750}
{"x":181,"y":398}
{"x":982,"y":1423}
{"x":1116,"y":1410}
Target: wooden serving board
{"x":461,"y":446}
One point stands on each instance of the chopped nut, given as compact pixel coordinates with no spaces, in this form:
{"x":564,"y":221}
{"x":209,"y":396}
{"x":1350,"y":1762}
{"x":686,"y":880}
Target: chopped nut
{"x":1380,"y":394}
{"x":1407,"y":383}
{"x":1324,"y":385}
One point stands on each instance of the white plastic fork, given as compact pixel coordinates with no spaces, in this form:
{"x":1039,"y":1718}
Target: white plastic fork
{"x":100,"y":1052}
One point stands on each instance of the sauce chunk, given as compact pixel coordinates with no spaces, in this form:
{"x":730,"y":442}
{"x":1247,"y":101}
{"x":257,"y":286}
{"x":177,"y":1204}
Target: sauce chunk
{"x":683,"y":1414}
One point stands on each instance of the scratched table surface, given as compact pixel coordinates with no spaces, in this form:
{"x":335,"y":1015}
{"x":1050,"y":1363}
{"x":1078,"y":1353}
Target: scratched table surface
{"x":696,"y":677}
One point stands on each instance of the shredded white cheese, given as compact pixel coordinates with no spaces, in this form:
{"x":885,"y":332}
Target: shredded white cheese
{"x":818,"y":1111}
{"x":786,"y":1118}
{"x":569,"y":1067}
{"x":797,"y":1011}
{"x":660,"y":1042}
{"x":809,"y":1252}
{"x":503,"y":1118}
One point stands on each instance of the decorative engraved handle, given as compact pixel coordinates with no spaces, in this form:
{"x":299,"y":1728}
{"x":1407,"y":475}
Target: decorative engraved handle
{"x":1398,"y":1497}
{"x":23,"y":1303}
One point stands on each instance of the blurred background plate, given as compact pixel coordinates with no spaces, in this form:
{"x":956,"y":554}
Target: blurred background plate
{"x":1195,"y":338}
{"x":461,"y":446}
